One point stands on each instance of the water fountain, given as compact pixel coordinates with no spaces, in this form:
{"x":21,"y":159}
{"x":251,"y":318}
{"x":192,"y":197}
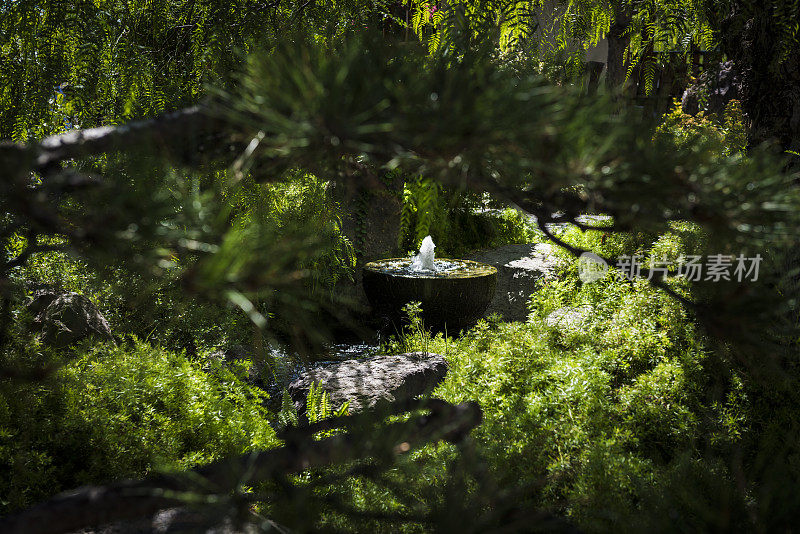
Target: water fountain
{"x":454,"y":293}
{"x":424,"y":260}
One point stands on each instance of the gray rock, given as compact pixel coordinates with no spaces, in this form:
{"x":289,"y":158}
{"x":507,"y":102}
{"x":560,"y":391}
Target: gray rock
{"x":274,"y":372}
{"x":568,"y":318}
{"x":69,"y":318}
{"x":40,"y":301}
{"x":176,"y":521}
{"x":715,"y":87}
{"x":518,"y":268}
{"x":369,"y":383}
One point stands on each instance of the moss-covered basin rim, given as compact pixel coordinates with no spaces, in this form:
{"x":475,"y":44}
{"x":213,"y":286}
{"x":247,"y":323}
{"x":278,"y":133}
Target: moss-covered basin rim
{"x":470,"y":269}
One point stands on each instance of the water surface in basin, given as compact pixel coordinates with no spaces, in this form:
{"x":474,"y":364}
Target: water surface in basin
{"x":444,"y":268}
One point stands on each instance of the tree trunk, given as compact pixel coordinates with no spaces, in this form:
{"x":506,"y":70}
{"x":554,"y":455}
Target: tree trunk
{"x":618,"y":42}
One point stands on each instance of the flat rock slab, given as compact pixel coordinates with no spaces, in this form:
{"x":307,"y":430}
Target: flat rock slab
{"x":370,"y":382}
{"x":518,"y":268}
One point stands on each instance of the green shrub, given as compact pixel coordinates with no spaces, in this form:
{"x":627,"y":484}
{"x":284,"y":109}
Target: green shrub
{"x":727,"y":130}
{"x":304,"y":201}
{"x":603,"y":417}
{"x":118,"y":412}
{"x":161,"y":310}
{"x":153,"y":309}
{"x":457,"y":221}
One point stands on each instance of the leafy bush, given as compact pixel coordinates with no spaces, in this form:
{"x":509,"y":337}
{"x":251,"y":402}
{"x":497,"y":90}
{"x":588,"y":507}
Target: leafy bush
{"x":458,"y":221}
{"x":305,"y":202}
{"x":118,"y":412}
{"x":137,"y":305}
{"x":157,"y":308}
{"x":727,"y":130}
{"x":599,"y":418}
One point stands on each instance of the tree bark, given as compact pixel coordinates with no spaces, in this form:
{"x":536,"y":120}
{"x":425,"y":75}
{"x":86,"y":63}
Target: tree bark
{"x":618,"y":41}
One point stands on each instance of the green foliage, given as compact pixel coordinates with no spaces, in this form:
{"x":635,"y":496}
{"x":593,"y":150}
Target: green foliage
{"x":555,"y":35}
{"x":608,"y":414}
{"x":493,"y":227}
{"x":318,"y":405}
{"x":728,"y":131}
{"x":120,"y":412}
{"x":565,"y":142}
{"x":84,"y":63}
{"x":414,"y":336}
{"x":457,"y":221}
{"x":421,"y":210}
{"x":147,"y":296}
{"x":302,"y":200}
{"x":593,"y":421}
{"x":155,"y":310}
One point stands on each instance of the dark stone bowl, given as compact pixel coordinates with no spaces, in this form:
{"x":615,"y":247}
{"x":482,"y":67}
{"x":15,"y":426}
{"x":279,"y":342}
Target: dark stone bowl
{"x":451,"y":301}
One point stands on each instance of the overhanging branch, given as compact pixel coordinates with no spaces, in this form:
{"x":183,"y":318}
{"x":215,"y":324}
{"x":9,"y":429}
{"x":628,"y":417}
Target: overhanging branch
{"x":169,"y":132}
{"x":124,"y":501}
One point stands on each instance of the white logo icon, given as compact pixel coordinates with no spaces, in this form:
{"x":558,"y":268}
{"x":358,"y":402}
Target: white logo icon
{"x":591,"y":267}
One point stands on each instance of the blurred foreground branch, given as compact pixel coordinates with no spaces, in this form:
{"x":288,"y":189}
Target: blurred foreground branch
{"x":170,"y":132}
{"x":130,"y":500}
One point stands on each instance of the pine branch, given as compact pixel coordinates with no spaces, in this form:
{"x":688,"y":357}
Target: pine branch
{"x":169,"y":132}
{"x":97,"y":505}
{"x":645,"y":273}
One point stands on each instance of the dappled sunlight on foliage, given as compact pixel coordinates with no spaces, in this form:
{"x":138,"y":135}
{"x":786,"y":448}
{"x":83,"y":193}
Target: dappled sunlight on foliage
{"x":213,"y":173}
{"x":606,"y":414}
{"x":131,"y":409}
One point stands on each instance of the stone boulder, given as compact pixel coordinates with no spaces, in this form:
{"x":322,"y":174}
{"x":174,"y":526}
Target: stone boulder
{"x":518,"y":268}
{"x":68,"y":318}
{"x":371,"y":382}
{"x":712,"y":91}
{"x":40,"y":301}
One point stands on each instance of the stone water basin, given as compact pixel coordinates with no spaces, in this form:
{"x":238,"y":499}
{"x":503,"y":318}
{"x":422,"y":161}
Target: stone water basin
{"x":453,"y":296}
